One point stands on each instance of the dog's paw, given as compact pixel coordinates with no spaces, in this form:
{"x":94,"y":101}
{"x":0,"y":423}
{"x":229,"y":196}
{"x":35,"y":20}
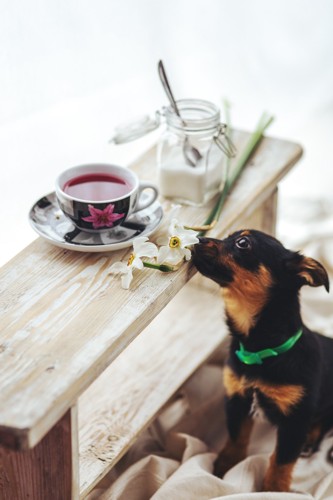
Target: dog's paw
{"x":275,"y":484}
{"x":226,"y":461}
{"x":278,"y":476}
{"x":307,"y":451}
{"x":219,"y":467}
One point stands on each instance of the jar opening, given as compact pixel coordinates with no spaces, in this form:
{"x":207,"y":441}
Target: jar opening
{"x":197,"y":115}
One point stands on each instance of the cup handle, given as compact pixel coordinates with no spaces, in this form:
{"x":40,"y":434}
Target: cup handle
{"x":141,"y":204}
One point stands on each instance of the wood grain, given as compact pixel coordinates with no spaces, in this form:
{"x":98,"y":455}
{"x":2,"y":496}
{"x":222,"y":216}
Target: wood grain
{"x":129,"y":394}
{"x":64,"y":319}
{"x":48,"y":471}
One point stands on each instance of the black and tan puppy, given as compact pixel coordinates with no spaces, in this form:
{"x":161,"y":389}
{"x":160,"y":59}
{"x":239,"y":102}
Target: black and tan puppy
{"x":275,"y":361}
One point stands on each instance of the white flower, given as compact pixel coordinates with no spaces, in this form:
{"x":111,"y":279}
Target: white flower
{"x":141,"y":248}
{"x":176,"y":248}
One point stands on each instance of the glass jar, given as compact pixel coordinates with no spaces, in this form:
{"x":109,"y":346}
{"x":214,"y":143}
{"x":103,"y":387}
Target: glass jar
{"x":188,"y":176}
{"x":192,"y":177}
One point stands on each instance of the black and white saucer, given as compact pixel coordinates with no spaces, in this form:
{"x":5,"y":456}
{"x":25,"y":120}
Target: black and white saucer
{"x":51,"y":224}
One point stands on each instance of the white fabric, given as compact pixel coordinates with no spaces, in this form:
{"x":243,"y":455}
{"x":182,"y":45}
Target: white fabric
{"x":168,"y":463}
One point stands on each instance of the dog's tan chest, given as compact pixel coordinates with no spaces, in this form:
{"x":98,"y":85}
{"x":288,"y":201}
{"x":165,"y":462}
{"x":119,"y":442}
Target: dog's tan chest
{"x":283,"y":396}
{"x":245,"y":297}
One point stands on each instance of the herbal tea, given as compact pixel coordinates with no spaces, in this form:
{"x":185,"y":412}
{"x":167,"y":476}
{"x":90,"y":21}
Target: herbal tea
{"x":97,"y":187}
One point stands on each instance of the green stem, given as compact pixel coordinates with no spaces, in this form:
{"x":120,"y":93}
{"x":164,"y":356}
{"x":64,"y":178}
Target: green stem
{"x":250,"y":147}
{"x":227,"y":106}
{"x":160,"y":267}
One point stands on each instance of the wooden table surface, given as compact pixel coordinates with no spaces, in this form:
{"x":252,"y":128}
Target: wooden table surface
{"x":64,"y":318}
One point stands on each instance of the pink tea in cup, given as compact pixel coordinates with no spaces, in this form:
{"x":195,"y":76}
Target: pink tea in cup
{"x":97,"y":187}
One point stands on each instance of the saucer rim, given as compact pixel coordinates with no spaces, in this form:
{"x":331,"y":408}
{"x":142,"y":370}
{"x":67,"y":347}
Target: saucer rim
{"x":108,"y":247}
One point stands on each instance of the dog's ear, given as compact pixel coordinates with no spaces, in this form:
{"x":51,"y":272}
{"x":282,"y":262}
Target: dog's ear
{"x":309,"y":271}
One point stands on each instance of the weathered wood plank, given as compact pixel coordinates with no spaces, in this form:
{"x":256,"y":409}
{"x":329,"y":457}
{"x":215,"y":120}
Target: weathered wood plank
{"x":140,"y":381}
{"x":64,"y":318}
{"x":47,"y":471}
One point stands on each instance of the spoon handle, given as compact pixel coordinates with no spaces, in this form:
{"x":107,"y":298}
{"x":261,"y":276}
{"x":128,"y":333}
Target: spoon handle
{"x":167,"y":88}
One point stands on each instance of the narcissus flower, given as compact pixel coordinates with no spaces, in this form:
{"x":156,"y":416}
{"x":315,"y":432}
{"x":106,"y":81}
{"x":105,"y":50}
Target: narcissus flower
{"x":176,"y":246}
{"x":102,"y":218}
{"x":141,"y":248}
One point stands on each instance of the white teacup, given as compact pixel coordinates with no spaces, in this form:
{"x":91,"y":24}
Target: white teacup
{"x":99,"y":196}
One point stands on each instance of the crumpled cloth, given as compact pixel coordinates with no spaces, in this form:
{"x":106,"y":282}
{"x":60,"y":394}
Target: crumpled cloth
{"x":173,"y":459}
{"x":169,"y":463}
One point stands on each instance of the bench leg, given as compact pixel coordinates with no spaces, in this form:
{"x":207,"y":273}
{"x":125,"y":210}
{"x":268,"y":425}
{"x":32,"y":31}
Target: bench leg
{"x":47,"y":471}
{"x":269,"y":213}
{"x":262,"y":218}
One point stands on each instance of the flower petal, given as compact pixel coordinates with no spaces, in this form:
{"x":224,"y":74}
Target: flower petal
{"x":189,"y":239}
{"x":109,"y":209}
{"x":118,"y":267}
{"x":127,"y":278}
{"x":187,"y":253}
{"x":144,"y":248}
{"x":115,"y":216}
{"x":137,"y":262}
{"x":163,"y":254}
{"x":149,"y":250}
{"x":170,"y":255}
{"x":177,"y":256}
{"x":89,"y":218}
{"x":94,"y":211}
{"x":173,"y":228}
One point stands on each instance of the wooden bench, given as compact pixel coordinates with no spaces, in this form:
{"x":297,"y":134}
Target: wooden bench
{"x":85,"y":366}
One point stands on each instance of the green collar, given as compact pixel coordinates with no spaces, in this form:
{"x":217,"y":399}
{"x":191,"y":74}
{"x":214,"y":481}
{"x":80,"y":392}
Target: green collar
{"x":256,"y":358}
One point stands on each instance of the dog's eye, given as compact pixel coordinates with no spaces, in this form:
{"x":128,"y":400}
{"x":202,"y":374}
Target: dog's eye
{"x":243,"y":243}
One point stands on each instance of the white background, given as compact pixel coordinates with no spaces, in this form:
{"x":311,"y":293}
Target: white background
{"x":73,"y":69}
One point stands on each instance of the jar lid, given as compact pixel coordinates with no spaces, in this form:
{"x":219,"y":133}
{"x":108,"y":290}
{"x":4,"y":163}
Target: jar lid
{"x":129,"y":131}
{"x":196,"y":115}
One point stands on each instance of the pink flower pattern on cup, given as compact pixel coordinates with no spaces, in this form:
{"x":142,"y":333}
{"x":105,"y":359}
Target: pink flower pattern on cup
{"x":102,"y":218}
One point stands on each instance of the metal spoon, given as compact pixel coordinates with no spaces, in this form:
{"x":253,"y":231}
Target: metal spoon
{"x":191,"y":154}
